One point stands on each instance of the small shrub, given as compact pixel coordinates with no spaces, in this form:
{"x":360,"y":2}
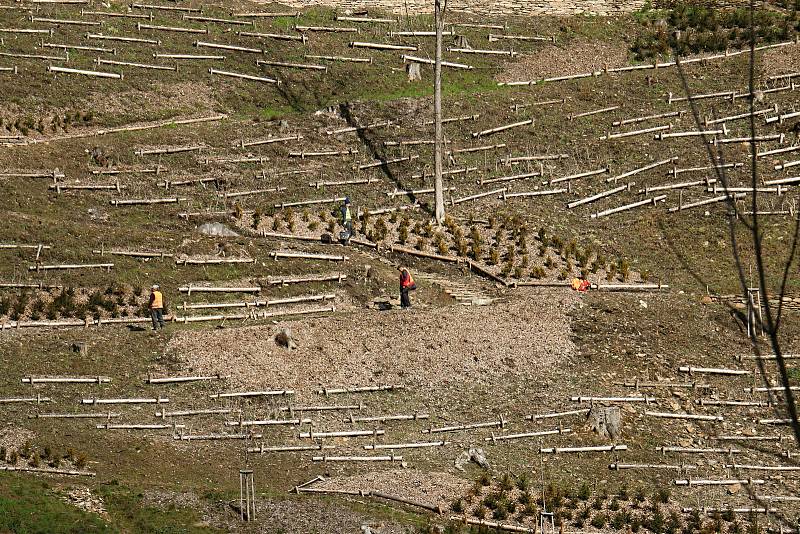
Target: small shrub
{"x":538,"y":272}
{"x":599,"y":520}
{"x":635,"y":524}
{"x":623,"y":492}
{"x":656,"y":522}
{"x":563,"y":275}
{"x":549,"y":263}
{"x":422,"y":243}
{"x":402,"y":234}
{"x":613,"y":505}
{"x":480,"y":512}
{"x":525,"y":497}
{"x":331,"y":226}
{"x":484,"y":479}
{"x":313,"y":225}
{"x":584,"y":492}
{"x":2,"y":453}
{"x":457,"y":506}
{"x":525,"y":261}
{"x":13,"y":457}
{"x":506,"y":482}
{"x":597,"y":503}
{"x":518,"y":272}
{"x":306,"y":216}
{"x":494,"y":256}
{"x":33,"y":461}
{"x":618,"y":521}
{"x":80,"y":461}
{"x":661,"y":496}
{"x":256,"y":219}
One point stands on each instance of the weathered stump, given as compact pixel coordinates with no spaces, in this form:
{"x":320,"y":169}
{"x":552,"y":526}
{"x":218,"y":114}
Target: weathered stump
{"x":606,"y":421}
{"x":414,"y":72}
{"x":284,"y":339}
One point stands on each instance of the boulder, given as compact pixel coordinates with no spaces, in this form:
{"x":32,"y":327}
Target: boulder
{"x":216,"y":230}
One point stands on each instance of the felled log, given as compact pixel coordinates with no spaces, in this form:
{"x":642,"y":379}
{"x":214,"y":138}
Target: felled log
{"x":455,"y":201}
{"x":506,"y":195}
{"x":675,"y":171}
{"x":648,"y":118}
{"x":652,"y":200}
{"x":477,"y":149}
{"x":723,"y":482}
{"x":351,"y":129}
{"x":418,"y":445}
{"x":708,"y":121}
{"x":169,"y":150}
{"x":594,"y":112}
{"x":384,"y":418}
{"x":146,"y":201}
{"x":38,"y":399}
{"x":322,"y":408}
{"x":269,"y":422}
{"x":634,"y":133}
{"x":180,"y":29}
{"x":557,"y":414}
{"x":199,"y":57}
{"x":214,"y":437}
{"x":698,"y":450}
{"x":66,"y":47}
{"x":289,"y":448}
{"x":780,"y":138}
{"x":279,"y":36}
{"x":341,"y":434}
{"x":359,"y":389}
{"x":122,"y":39}
{"x":524,"y":176}
{"x":236,"y":194}
{"x":384,"y":163}
{"x":630,"y":287}
{"x":763,"y":467}
{"x":414,"y":252}
{"x":604,"y":170}
{"x":59,"y":187}
{"x":323,"y":153}
{"x":598,"y":448}
{"x":451,"y":172}
{"x":722,"y":94}
{"x":148,"y":16}
{"x":681,"y":185}
{"x":94,"y":73}
{"x":327,"y":29}
{"x":691,"y":133}
{"x":166,"y":8}
{"x":270,"y":393}
{"x":364,"y":19}
{"x":509,"y":53}
{"x":502,"y":437}
{"x":598,"y":196}
{"x":713,"y":370}
{"x":204,"y":289}
{"x":647,"y":400}
{"x":334,"y":183}
{"x":134,"y":253}
{"x":34,"y":56}
{"x":268,"y":141}
{"x":498,"y":129}
{"x":38,"y":267}
{"x":307,"y":255}
{"x":183,"y":379}
{"x":310,"y":202}
{"x":66,"y":380}
{"x":341,"y":58}
{"x":158,"y":400}
{"x":213,"y":261}
{"x":231,"y":74}
{"x":93,"y":415}
{"x":109,"y":426}
{"x":51,"y":470}
{"x":189,"y":413}
{"x":501,"y":423}
{"x":337,"y":277}
{"x":497,"y":37}
{"x":692,"y":416}
{"x":201,"y":18}
{"x":681,"y":467}
{"x":391,"y":458}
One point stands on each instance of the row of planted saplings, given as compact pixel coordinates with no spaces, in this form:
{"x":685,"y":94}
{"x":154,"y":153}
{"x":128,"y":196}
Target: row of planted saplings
{"x":115,"y":301}
{"x":514,"y":499}
{"x":30,"y":456}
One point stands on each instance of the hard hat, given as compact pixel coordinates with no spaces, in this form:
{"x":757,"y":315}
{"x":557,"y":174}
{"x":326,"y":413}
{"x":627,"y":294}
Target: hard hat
{"x":155,"y":286}
{"x":347,"y":200}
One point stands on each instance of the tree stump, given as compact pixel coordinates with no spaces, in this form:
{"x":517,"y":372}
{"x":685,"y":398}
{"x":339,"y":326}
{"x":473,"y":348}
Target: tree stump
{"x":80,"y":348}
{"x":284,"y":339}
{"x":606,"y":421}
{"x":414,"y":72}
{"x":461,"y":41}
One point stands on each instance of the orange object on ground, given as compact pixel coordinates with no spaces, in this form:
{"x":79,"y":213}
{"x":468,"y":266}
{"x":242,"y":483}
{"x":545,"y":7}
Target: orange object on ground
{"x":580,"y":285}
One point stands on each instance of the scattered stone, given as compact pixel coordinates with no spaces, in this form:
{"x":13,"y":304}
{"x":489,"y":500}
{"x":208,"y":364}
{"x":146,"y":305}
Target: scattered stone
{"x":216,"y":230}
{"x":733,"y":489}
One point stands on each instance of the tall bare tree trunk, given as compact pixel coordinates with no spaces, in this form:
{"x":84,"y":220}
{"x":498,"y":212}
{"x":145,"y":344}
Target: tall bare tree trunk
{"x":437,"y":110}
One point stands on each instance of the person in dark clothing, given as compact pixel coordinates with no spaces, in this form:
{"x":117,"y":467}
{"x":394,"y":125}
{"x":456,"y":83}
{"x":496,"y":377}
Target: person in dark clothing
{"x":347,"y":217}
{"x":406,"y":284}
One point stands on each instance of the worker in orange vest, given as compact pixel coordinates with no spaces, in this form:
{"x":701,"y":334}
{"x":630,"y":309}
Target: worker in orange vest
{"x":156,"y":306}
{"x":406,"y":284}
{"x":580,"y":285}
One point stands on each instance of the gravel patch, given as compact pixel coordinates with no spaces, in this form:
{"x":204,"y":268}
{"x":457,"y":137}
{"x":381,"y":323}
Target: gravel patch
{"x":575,"y":58}
{"x":419,"y":348}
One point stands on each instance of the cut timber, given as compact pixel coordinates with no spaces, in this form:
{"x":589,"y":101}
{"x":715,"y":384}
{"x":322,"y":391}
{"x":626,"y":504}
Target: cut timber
{"x":499,"y":129}
{"x":50,"y":470}
{"x":271,"y":393}
{"x":189,"y":413}
{"x":102,"y":37}
{"x":598,"y":448}
{"x":181,"y":379}
{"x":95,"y":415}
{"x":634,"y":133}
{"x":493,"y":192}
{"x":776,"y":389}
{"x":110,"y":426}
{"x":146,"y":201}
{"x":382,"y":46}
{"x":179,"y":29}
{"x":166,"y":8}
{"x":336,"y":277}
{"x":509,"y":53}
{"x":681,"y":185}
{"x":308,"y":256}
{"x":485,"y":181}
{"x":200,"y":18}
{"x":750,"y":438}
{"x":636,"y":120}
{"x":242,"y":76}
{"x":268,"y":141}
{"x":501,"y":423}
{"x":59,"y":187}
{"x":214,"y":437}
{"x":170,"y":150}
{"x":333,"y":183}
{"x":413,"y":192}
{"x":200,"y":289}
{"x":199,"y":57}
{"x":269,"y":422}
{"x":235,"y":194}
{"x":289,"y":448}
{"x":557,"y":414}
{"x":491,"y":524}
{"x":708,"y":121}
{"x":497,"y":37}
{"x":252,"y":315}
{"x":322,"y":408}
{"x":744,"y":510}
{"x":699,"y":450}
{"x":484,"y":148}
{"x":351,"y":129}
{"x":158,"y":400}
{"x":413,"y":252}
{"x":214,"y":261}
{"x":705,"y":202}
{"x":341,"y":434}
{"x":71,"y":266}
{"x":774,"y":421}
{"x":416,"y":445}
{"x":278,"y":36}
{"x":593,"y":112}
{"x":66,"y":380}
{"x":310,"y":202}
{"x":780,"y":138}
{"x":38,"y":399}
{"x":630,"y":287}
{"x":327,"y":29}
{"x":613,"y":399}
{"x":763,"y":467}
{"x":134,"y":253}
{"x":79,"y":47}
{"x":675,"y":171}
{"x":359,"y":389}
{"x":705,"y":402}
{"x":626,"y":207}
{"x":301,"y":66}
{"x":722,"y":94}
{"x":527,"y":194}
{"x":697,"y":417}
{"x":94,"y":73}
{"x":641,"y":169}
{"x":364,"y":19}
{"x":495,"y":438}
{"x":415,"y":59}
{"x":391,"y":458}
{"x":384,"y":418}
{"x":384,"y":163}
{"x":713,"y":371}
{"x":604,"y":170}
{"x":723,"y":482}
{"x":598,"y":196}
{"x":682,"y":467}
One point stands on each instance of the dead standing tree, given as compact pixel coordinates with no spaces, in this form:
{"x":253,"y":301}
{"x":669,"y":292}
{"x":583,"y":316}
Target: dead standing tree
{"x":440,"y":6}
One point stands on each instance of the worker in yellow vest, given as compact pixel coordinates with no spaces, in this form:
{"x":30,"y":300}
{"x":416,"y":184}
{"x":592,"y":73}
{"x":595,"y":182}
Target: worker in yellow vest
{"x":156,"y":306}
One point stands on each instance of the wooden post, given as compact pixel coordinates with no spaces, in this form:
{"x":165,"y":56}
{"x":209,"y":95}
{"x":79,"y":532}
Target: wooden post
{"x":247,"y":495}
